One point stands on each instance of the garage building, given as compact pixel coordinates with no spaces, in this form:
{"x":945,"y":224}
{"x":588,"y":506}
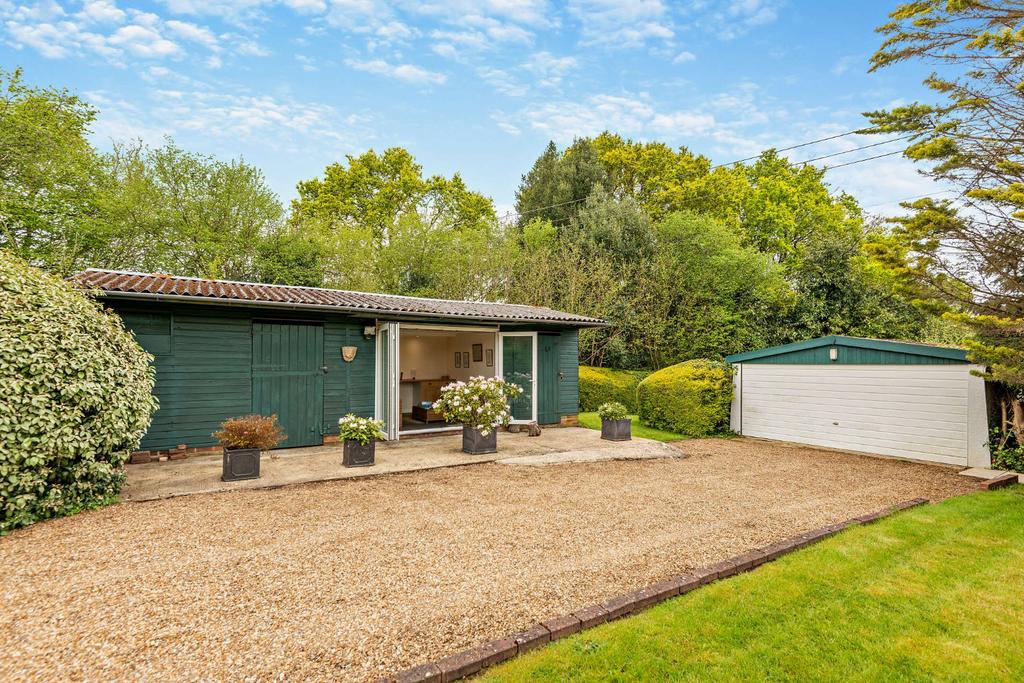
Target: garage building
{"x":875,"y":396}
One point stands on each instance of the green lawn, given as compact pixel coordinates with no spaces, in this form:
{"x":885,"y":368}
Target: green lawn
{"x":592,"y":421}
{"x":934,"y":593}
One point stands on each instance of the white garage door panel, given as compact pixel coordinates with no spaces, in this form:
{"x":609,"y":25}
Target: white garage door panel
{"x":919,"y":418}
{"x":916,"y":411}
{"x":953,"y":437}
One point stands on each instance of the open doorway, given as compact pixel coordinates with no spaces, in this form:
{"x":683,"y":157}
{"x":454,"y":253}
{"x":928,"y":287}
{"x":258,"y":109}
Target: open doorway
{"x":431,"y":357}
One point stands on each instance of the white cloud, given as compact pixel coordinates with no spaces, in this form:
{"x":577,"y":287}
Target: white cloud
{"x":191,"y":32}
{"x":625,"y":114}
{"x":102,"y":11}
{"x":622,"y":23}
{"x":684,"y":57}
{"x":730,"y":20}
{"x":446,"y":50}
{"x":143,"y":41}
{"x":307,"y":6}
{"x":548,"y":68}
{"x":502,"y":81}
{"x":409,"y":73}
{"x":251,"y":48}
{"x":843,"y":64}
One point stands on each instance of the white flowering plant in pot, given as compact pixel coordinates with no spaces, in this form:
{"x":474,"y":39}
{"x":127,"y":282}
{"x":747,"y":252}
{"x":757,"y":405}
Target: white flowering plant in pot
{"x":360,"y":435}
{"x":481,"y":405}
{"x":480,"y":402}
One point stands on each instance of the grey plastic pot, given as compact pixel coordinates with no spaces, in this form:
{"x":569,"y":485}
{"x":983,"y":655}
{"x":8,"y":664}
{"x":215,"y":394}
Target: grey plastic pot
{"x":617,"y":430}
{"x":475,"y":443}
{"x":241,"y":463}
{"x":357,"y":454}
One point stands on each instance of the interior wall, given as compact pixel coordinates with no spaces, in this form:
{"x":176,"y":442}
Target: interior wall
{"x":433,"y":357}
{"x":422,"y":357}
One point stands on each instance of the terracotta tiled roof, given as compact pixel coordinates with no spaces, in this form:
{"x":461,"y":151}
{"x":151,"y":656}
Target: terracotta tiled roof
{"x":118,"y":283}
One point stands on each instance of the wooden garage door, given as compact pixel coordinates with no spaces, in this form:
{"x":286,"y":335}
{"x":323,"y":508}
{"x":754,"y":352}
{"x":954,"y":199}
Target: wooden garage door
{"x":911,"y":411}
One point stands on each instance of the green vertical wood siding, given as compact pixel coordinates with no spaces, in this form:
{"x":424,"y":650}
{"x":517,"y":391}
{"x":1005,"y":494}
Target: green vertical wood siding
{"x":569,"y":367}
{"x":547,"y":378}
{"x":204,"y":367}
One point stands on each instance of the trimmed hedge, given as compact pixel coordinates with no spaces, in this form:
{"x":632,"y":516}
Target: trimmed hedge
{"x":604,"y":385}
{"x":75,"y":397}
{"x":691,"y":398}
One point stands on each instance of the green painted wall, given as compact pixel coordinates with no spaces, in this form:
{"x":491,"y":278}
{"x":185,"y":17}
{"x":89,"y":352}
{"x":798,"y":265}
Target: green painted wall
{"x":569,"y":367}
{"x":849,"y":355}
{"x":204,"y":366}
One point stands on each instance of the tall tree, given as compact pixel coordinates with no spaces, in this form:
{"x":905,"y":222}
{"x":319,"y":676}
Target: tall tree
{"x":48,"y":175}
{"x":559,"y":182}
{"x":970,"y":137}
{"x":388,"y":228}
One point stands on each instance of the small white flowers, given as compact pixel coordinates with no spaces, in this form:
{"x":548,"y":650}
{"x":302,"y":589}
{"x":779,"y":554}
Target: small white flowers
{"x":361,"y":429}
{"x":481,"y":402}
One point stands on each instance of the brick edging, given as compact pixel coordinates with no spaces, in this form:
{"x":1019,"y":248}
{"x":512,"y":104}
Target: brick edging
{"x":475,"y":659}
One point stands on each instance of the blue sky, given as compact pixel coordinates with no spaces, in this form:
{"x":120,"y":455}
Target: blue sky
{"x":474,"y":87}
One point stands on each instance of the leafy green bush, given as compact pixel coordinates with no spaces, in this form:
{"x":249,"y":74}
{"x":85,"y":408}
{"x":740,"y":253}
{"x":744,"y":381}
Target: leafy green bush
{"x":605,"y":385}
{"x":691,"y":398}
{"x":612,"y":411}
{"x":1006,"y":455}
{"x":75,"y":397}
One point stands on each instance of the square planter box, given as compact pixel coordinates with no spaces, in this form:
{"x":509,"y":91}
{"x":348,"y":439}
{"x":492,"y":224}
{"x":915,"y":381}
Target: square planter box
{"x":475,"y":443}
{"x":358,"y":455}
{"x":241,"y":463}
{"x":616,"y":430}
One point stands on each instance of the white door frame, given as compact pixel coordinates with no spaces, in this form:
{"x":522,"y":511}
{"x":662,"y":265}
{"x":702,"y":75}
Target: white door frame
{"x":499,"y":368}
{"x":388,"y":413}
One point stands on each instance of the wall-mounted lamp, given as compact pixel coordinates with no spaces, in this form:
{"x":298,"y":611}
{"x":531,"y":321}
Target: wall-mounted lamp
{"x":370,"y":331}
{"x":833,"y":353}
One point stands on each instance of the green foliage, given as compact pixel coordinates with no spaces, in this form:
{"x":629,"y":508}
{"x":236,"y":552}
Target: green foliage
{"x":251,"y":431}
{"x":965,"y":262}
{"x":362,"y":429}
{"x":48,"y":175}
{"x":75,"y":397}
{"x":640,"y":431}
{"x":1006,"y":456}
{"x":612,"y":411}
{"x":605,"y":385}
{"x":480,"y":402}
{"x":691,"y":398}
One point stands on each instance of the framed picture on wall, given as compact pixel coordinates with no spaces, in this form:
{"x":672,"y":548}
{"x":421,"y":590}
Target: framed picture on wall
{"x":465,"y":359}
{"x":478,"y":353}
{"x":490,"y":358}
{"x":458,"y":359}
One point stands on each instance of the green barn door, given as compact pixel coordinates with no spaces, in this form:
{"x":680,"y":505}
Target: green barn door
{"x":288,"y":380}
{"x":547,"y":377}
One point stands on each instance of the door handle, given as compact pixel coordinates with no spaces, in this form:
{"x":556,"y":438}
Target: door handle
{"x":561,"y":375}
{"x":323,"y":369}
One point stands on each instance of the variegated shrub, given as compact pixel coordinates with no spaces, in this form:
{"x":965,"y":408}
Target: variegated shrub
{"x":75,"y":397}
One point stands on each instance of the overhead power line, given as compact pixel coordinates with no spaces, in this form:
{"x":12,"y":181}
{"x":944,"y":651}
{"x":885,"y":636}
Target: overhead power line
{"x":858,"y":131}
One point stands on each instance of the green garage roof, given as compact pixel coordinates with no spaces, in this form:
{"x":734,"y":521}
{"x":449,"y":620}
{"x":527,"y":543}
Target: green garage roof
{"x":853,"y":351}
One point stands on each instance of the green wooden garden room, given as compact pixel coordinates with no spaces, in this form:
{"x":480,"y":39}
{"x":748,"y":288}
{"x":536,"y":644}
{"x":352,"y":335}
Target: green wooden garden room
{"x":309,"y":355}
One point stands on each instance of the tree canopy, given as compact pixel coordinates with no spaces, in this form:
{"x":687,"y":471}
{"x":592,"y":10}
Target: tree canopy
{"x":965,"y":257}
{"x":684,"y":259}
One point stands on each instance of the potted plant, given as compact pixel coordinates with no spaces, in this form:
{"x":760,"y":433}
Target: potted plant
{"x":481,"y":405}
{"x":244,"y":439}
{"x":615,"y":422}
{"x":360,"y":435}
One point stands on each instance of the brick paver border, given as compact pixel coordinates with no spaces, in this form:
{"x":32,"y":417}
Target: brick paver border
{"x":475,"y":659}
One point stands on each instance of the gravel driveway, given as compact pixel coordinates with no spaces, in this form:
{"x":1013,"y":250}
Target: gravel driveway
{"x":348,"y":580}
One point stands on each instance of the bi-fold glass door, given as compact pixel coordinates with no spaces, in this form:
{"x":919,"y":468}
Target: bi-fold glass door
{"x":517,"y":364}
{"x":387,"y":379}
